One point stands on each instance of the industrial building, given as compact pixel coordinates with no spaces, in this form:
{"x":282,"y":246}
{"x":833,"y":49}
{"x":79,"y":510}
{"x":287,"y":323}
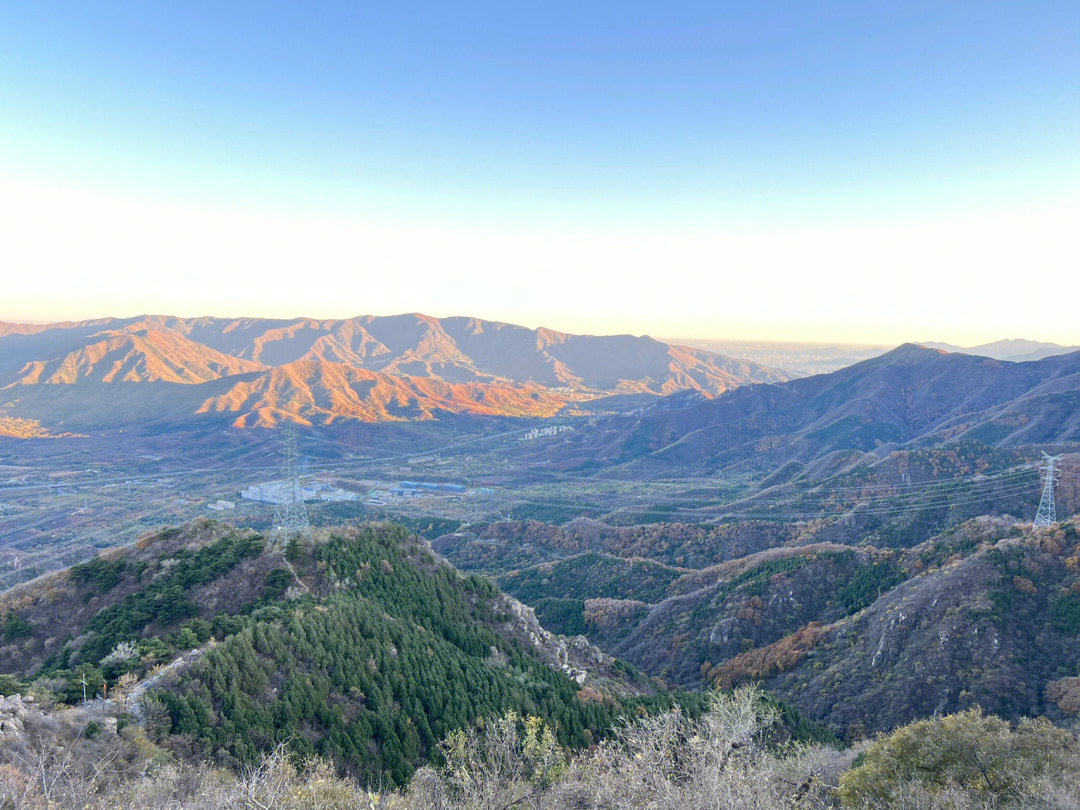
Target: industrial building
{"x":277,"y":492}
{"x":431,"y":488}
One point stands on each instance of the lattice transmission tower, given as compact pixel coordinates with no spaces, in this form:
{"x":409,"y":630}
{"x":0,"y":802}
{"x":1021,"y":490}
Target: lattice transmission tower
{"x":1047,"y":514}
{"x":290,"y":516}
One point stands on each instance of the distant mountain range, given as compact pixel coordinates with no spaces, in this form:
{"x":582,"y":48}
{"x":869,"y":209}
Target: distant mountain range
{"x":672,"y":403}
{"x":910,"y":397}
{"x":366,"y":368}
{"x":1013,"y":349}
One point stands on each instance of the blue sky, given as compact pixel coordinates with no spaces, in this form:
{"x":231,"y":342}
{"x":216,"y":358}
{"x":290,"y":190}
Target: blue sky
{"x":555,"y":115}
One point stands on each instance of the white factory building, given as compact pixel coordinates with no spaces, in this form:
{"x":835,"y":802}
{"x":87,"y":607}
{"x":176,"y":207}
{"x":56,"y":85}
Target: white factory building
{"x":277,"y":492}
{"x":268,"y":492}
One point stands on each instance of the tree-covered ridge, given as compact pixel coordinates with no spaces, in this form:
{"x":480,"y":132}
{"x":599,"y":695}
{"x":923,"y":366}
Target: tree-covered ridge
{"x":362,"y":647}
{"x":990,"y":627}
{"x":164,"y":602}
{"x":509,"y":545}
{"x":718,"y":614}
{"x":562,"y":615}
{"x":676,"y":624}
{"x":394,"y":658}
{"x":591,"y":575}
{"x":986,"y":613}
{"x":159,"y":595}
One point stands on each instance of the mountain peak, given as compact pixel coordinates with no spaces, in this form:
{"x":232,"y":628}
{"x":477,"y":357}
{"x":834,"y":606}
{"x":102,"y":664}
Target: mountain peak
{"x":905,"y":354}
{"x":913,"y":351}
{"x":408,"y":366}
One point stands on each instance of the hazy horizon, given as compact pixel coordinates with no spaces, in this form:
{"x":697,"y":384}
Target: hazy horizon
{"x":670,"y":339}
{"x":817,"y":174}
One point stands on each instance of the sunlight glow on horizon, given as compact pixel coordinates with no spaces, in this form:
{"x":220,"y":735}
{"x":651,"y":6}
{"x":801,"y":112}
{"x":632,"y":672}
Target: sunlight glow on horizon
{"x":826,"y":172}
{"x":964,"y":280}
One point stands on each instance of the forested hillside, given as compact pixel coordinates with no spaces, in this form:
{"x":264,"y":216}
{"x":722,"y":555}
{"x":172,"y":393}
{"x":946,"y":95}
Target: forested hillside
{"x":860,"y":637}
{"x":504,"y":545}
{"x":361,"y":647}
{"x":995,"y":626}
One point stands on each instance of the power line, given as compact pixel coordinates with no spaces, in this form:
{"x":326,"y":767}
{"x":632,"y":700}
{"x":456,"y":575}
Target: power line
{"x":734,"y":510}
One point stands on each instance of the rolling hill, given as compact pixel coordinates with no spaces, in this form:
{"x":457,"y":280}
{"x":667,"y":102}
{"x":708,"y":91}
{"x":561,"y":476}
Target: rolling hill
{"x":366,"y":368}
{"x":857,"y":637}
{"x":997,"y":627}
{"x":361,"y":646}
{"x":910,"y":397}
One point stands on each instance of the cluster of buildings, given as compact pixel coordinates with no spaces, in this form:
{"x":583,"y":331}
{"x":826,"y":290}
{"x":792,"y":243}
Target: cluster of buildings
{"x":277,"y":492}
{"x":552,"y":430}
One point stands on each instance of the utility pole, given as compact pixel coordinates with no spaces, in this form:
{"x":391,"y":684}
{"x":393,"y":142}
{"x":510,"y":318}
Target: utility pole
{"x":290,"y":517}
{"x":1047,"y":514}
{"x":84,"y":688}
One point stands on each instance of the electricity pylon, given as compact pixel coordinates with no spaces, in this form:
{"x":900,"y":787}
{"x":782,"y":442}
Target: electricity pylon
{"x":290,"y":517}
{"x":1047,"y":514}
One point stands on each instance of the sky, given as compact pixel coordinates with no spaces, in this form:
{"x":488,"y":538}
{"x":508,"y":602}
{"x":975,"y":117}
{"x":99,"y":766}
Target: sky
{"x":866,"y":172}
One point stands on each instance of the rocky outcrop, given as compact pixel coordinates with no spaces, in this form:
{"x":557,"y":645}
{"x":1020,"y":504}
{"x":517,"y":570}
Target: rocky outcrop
{"x":576,"y":657}
{"x":13,"y":712}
